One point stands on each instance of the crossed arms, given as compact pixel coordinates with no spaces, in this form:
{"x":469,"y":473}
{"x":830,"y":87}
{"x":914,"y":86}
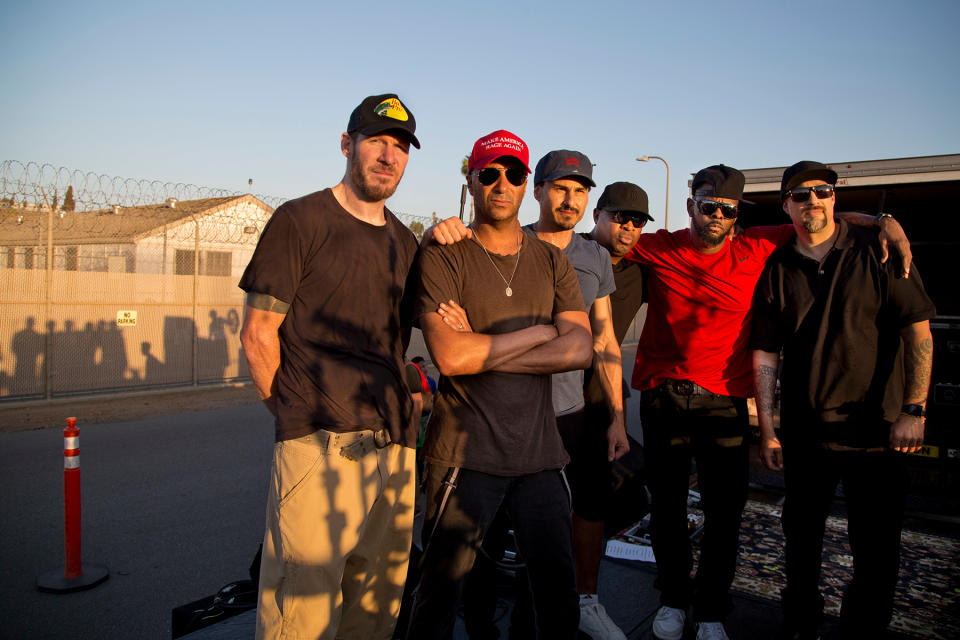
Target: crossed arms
{"x":540,"y":349}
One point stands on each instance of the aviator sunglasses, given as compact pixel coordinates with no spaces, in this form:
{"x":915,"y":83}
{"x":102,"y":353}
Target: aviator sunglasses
{"x":515,"y":175}
{"x":709,"y":207}
{"x":623,"y":217}
{"x":802,"y":194}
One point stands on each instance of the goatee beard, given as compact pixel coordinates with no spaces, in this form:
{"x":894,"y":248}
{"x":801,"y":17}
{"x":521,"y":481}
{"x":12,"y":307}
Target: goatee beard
{"x":368,"y":191}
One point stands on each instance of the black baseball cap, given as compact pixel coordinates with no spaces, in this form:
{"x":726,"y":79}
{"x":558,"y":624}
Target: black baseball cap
{"x":564,"y":163}
{"x":384,"y":112}
{"x":624,"y":196}
{"x":723,"y":182}
{"x":803,"y":171}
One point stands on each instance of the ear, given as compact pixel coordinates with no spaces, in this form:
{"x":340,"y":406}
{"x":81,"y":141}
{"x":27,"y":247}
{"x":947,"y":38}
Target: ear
{"x":784,"y":205}
{"x":537,"y":190}
{"x":690,"y":206}
{"x":469,"y":183}
{"x":346,"y":144}
{"x":596,"y":215}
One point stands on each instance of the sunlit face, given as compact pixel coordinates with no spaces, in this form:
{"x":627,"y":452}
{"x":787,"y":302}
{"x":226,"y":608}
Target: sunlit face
{"x":376,"y":163}
{"x":618,"y":238}
{"x":814,"y":215}
{"x":500,"y":200}
{"x":562,"y":202}
{"x":712,"y":229}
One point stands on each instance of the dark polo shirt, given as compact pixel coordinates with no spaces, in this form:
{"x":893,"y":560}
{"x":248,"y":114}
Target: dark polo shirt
{"x":838,"y":323}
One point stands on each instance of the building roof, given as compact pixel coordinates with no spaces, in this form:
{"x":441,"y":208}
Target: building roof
{"x":25,"y":227}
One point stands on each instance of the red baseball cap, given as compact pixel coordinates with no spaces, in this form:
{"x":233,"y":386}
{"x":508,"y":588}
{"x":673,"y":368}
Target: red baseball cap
{"x":497,"y":144}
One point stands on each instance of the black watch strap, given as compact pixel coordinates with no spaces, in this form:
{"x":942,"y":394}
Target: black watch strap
{"x":915,"y":410}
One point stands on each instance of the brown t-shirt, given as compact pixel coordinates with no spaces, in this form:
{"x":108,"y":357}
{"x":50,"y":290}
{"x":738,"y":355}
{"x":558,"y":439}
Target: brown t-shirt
{"x":346,"y":282}
{"x":497,"y":423}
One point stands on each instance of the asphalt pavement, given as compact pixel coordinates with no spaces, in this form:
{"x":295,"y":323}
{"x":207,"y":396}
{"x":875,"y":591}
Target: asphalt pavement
{"x":172,"y":506}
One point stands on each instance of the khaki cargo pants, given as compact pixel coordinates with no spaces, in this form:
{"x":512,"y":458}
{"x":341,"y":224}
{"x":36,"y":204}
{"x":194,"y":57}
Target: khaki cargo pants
{"x":337,"y":537}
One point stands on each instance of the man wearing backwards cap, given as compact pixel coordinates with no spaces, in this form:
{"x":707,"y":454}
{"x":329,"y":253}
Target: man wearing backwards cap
{"x":562,"y":181}
{"x":493,"y":438}
{"x":324,"y":335}
{"x":693,"y":366}
{"x":850,"y":406}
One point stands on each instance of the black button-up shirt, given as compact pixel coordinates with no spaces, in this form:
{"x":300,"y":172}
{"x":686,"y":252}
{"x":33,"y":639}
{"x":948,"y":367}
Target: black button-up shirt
{"x":838,"y":323}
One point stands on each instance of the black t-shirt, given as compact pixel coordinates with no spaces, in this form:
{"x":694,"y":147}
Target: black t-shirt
{"x":624,"y":304}
{"x":498,"y":423}
{"x":838,"y":322}
{"x":346,"y":281}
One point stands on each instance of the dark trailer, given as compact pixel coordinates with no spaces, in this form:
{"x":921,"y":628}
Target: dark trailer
{"x":922,"y":194}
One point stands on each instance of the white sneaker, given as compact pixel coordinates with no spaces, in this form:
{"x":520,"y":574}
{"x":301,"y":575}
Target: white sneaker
{"x":668,"y":625}
{"x":711,"y":631}
{"x":595,"y":622}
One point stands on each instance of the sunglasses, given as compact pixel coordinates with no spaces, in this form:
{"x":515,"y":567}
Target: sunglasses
{"x":515,"y":175}
{"x":623,"y":217}
{"x":802,"y":194}
{"x":709,"y":207}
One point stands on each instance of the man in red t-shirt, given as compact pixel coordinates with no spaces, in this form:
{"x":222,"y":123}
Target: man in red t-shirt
{"x":693,"y":367}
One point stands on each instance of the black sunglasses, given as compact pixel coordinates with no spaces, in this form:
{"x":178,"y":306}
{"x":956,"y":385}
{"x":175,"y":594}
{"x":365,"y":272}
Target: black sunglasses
{"x":515,"y":175}
{"x":709,"y":207}
{"x":802,"y":194}
{"x":623,"y":217}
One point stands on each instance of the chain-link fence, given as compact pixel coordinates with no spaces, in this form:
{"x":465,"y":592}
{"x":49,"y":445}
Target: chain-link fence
{"x":110,"y":283}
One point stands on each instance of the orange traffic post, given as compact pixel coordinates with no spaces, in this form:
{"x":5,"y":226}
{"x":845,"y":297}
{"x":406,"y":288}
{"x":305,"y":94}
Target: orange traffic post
{"x":72,"y":577}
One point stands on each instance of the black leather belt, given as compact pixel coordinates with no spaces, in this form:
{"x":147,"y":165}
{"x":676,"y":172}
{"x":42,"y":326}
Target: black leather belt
{"x":685,"y":388}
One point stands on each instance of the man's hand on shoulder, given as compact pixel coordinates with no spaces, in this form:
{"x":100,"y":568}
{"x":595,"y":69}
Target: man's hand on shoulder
{"x":449,"y":231}
{"x":891,"y":234}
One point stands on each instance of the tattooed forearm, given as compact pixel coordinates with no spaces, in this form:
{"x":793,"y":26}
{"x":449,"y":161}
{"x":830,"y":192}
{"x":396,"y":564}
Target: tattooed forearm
{"x":918,"y":362}
{"x":765,"y":384}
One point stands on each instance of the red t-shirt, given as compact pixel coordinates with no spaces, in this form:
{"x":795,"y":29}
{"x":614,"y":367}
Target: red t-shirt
{"x":698,"y":316}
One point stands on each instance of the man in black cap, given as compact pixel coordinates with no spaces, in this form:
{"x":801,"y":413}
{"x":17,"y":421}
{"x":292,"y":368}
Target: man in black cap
{"x":694,"y":369}
{"x":857,"y":352}
{"x":620,"y":216}
{"x":324,"y":335}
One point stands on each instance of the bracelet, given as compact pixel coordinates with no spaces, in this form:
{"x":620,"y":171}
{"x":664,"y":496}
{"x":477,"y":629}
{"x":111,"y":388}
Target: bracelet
{"x":882,"y":215}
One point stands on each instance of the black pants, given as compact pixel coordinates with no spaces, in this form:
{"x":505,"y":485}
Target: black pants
{"x":538,"y":505}
{"x":710,"y":429}
{"x":874,"y":485}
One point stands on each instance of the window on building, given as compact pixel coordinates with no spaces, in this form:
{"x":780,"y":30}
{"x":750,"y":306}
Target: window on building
{"x":69,"y":258}
{"x":184,"y":262}
{"x":216,"y":263}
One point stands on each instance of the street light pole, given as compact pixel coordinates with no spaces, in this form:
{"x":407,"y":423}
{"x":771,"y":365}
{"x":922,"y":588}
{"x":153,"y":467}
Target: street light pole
{"x":666,"y":208}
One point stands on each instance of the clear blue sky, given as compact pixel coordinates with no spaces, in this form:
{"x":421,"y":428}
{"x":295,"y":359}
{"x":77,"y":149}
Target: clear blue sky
{"x":214,"y":93}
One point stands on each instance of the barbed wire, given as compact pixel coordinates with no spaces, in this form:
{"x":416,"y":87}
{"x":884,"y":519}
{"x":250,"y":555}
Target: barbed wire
{"x":36,"y":185}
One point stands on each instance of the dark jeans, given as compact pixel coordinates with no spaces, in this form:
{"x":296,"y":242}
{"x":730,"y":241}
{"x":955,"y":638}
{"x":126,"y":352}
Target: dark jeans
{"x":874,"y":485}
{"x":538,"y":505}
{"x":710,"y":429}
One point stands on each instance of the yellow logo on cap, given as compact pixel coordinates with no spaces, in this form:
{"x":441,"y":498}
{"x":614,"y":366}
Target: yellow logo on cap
{"x":391,"y":108}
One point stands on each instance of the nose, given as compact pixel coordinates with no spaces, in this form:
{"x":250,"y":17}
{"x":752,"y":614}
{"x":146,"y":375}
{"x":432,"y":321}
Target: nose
{"x":388,"y":154}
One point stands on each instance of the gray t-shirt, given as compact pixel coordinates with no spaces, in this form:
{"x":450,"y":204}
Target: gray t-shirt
{"x":595,"y":275}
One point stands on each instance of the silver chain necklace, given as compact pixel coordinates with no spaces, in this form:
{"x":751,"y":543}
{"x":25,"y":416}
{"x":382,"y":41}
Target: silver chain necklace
{"x":508,"y":290}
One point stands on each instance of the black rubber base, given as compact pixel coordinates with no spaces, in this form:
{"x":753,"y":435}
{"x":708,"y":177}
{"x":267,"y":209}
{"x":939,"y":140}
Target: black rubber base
{"x":53,"y":581}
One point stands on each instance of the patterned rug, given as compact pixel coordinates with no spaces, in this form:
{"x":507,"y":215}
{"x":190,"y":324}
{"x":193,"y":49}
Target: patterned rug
{"x":927,"y":601}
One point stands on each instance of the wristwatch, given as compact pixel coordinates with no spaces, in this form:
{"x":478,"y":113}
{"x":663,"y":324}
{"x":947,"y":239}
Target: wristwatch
{"x":915,"y":410}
